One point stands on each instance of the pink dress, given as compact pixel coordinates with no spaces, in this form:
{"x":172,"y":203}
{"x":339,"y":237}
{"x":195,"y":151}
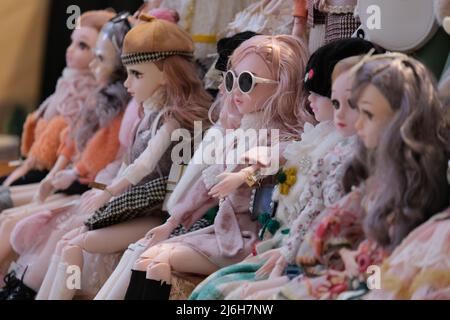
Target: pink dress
{"x":233,"y":234}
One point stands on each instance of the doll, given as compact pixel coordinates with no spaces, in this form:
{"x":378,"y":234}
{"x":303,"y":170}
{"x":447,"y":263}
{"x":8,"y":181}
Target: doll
{"x":162,"y":77}
{"x":261,"y":17}
{"x":73,"y":91}
{"x":224,"y":243}
{"x":41,"y":136}
{"x":393,"y":94}
{"x":229,"y":118}
{"x":313,"y":170}
{"x":100,"y":122}
{"x":418,"y":268}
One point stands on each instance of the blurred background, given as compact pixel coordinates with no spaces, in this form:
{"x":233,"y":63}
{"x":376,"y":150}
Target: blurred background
{"x":33,"y":40}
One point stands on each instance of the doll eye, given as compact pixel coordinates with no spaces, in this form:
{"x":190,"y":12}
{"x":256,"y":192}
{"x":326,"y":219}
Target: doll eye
{"x":368,"y":114}
{"x":335,"y":104}
{"x":83,"y":46}
{"x":352,"y":105}
{"x":136,"y":74}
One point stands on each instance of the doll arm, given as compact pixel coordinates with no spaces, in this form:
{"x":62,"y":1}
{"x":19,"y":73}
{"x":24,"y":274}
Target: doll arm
{"x":101,"y":150}
{"x":28,"y":133}
{"x":20,"y":171}
{"x":230,"y":181}
{"x":141,"y":167}
{"x":45,"y":186}
{"x":313,"y":204}
{"x":333,"y":189}
{"x":300,"y":17}
{"x":155,"y":149}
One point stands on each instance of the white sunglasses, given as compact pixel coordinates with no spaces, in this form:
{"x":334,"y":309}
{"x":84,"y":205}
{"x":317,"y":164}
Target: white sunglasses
{"x":246,"y":81}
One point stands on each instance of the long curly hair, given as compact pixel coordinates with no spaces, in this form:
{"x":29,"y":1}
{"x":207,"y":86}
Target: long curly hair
{"x":408,"y":167}
{"x":185,"y":97}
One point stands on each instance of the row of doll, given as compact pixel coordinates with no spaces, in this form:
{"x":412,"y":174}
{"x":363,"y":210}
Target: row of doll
{"x":360,"y":135}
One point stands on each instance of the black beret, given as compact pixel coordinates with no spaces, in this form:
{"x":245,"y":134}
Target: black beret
{"x":226,"y":46}
{"x":322,"y":62}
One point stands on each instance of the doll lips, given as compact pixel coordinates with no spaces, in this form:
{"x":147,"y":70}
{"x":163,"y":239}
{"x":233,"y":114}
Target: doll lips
{"x":341,"y":125}
{"x":237,"y":101}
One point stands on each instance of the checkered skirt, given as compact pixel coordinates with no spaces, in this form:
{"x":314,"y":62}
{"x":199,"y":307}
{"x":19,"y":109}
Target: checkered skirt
{"x":139,"y":201}
{"x":340,"y":26}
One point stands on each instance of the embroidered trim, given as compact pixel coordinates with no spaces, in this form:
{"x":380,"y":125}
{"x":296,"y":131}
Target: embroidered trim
{"x":142,"y":57}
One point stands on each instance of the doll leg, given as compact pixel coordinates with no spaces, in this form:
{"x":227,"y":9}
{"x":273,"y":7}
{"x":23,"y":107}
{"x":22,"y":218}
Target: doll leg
{"x":22,"y":197}
{"x":25,"y":187}
{"x":159,"y":261}
{"x":38,"y":263}
{"x":116,"y":285}
{"x":10,"y":218}
{"x":268,"y":294}
{"x":252,"y":288}
{"x":108,"y":240}
{"x":49,"y":279}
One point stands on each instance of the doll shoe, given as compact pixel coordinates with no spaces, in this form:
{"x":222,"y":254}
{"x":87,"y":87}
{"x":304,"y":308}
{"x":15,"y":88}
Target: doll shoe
{"x":136,"y":285}
{"x":156,"y":290}
{"x":10,"y":283}
{"x":22,"y":292}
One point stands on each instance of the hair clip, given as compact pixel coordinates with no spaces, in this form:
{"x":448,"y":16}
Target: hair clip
{"x":361,"y":62}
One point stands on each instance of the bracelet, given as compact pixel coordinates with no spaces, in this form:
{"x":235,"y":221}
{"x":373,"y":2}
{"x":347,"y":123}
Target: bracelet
{"x":252,"y":179}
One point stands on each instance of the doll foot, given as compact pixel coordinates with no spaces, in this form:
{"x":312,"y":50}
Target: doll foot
{"x":156,"y":290}
{"x":160,"y":271}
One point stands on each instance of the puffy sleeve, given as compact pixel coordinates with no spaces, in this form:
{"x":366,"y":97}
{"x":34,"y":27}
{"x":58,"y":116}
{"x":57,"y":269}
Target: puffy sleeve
{"x":45,"y":147}
{"x":67,"y":147}
{"x":155,"y":149}
{"x":100,"y":151}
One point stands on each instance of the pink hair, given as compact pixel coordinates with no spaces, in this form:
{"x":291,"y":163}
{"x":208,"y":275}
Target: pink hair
{"x":286,"y":57}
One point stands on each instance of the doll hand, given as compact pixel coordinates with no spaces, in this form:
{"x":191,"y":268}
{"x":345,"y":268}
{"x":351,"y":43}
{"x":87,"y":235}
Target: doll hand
{"x":280,"y":267}
{"x":230,"y":181}
{"x":349,"y":259}
{"x":44,"y":190}
{"x":64,"y":179}
{"x":272,"y":257}
{"x":95,"y":201}
{"x":258,"y":155}
{"x":159,"y":234}
{"x":19,"y":172}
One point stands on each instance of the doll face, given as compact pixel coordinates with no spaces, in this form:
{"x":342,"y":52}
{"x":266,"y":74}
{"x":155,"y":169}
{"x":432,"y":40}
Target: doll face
{"x":321,"y":106}
{"x":105,"y":60}
{"x":375,"y":113}
{"x":79,"y":53}
{"x":254,"y":100}
{"x":143,"y":80}
{"x":344,"y":116}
